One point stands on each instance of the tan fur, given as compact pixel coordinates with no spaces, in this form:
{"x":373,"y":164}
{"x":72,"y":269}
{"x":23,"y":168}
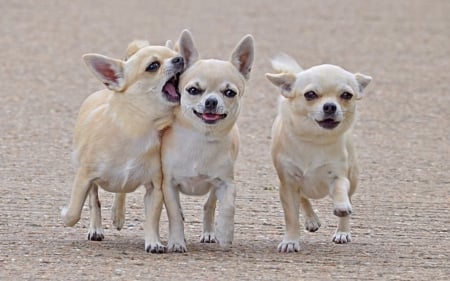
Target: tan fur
{"x":313,"y":161}
{"x":117,"y":136}
{"x":198,"y":157}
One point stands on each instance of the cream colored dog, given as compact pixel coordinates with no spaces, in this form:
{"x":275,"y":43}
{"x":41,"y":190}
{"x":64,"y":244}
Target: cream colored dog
{"x":117,"y":135}
{"x":312,"y":147}
{"x":200,"y":148}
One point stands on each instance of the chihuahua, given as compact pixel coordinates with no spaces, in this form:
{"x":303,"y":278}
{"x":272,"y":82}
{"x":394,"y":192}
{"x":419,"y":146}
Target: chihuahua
{"x":200,"y":148}
{"x":117,"y":135}
{"x":312,"y":148}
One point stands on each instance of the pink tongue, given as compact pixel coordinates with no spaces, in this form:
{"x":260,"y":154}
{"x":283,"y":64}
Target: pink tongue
{"x":209,"y":116}
{"x":170,"y":89}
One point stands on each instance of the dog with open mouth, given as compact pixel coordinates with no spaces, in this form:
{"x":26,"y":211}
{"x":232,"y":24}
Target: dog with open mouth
{"x":118,"y":131}
{"x":312,"y":147}
{"x":200,"y":148}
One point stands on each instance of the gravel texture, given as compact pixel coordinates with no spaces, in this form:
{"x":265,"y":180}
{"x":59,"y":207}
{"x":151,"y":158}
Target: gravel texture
{"x":401,"y":219}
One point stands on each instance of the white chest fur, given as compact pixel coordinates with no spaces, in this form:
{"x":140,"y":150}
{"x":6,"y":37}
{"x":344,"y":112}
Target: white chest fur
{"x":198,"y":164}
{"x":314,"y":167}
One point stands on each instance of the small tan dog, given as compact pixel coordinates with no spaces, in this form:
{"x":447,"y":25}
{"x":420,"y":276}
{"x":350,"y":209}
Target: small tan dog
{"x":200,"y":148}
{"x":117,"y":135}
{"x":312,"y":147}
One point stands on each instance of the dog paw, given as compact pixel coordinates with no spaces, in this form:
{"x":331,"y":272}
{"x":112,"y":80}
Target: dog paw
{"x":342,"y":237}
{"x":175,"y":247}
{"x":96,"y":234}
{"x":289,"y":247}
{"x":342,"y":210}
{"x":208,"y":237}
{"x":312,"y":224}
{"x":155,"y":248}
{"x":68,"y":219}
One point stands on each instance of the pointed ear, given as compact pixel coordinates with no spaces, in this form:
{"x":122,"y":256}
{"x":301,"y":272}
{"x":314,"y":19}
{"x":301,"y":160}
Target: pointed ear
{"x":187,"y":49}
{"x":285,"y":81}
{"x":134,"y":46}
{"x":363,"y":81}
{"x":169,"y":44}
{"x":243,"y":55}
{"x":108,"y":70}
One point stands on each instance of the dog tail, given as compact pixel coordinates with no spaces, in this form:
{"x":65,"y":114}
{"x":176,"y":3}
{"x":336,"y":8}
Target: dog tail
{"x":285,"y":63}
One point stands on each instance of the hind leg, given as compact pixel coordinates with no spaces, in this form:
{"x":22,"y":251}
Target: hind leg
{"x":95,"y":215}
{"x":118,"y":210}
{"x":312,"y":222}
{"x":71,"y":214}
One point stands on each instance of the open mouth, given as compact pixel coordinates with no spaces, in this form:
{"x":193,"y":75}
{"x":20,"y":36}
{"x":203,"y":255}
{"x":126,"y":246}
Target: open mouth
{"x":170,"y":89}
{"x":328,"y":123}
{"x":209,"y":117}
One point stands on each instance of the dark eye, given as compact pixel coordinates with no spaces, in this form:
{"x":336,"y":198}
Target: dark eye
{"x":154,"y":66}
{"x":310,"y":96}
{"x":229,"y":93}
{"x":346,"y":96}
{"x":193,"y":91}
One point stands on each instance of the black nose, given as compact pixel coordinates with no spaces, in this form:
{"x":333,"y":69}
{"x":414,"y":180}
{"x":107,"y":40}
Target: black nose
{"x":177,"y":60}
{"x":211,"y":103}
{"x":329,"y":108}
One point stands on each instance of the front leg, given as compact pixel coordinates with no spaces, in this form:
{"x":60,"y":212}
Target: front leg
{"x":177,"y":242}
{"x":153,"y":202}
{"x":339,"y":191}
{"x":209,"y":209}
{"x":342,"y":234}
{"x":226,"y":193}
{"x":289,"y":196}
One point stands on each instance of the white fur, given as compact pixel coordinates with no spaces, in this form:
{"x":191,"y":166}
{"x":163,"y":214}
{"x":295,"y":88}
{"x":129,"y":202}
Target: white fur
{"x":312,"y":160}
{"x":117,"y":137}
{"x":197,"y":156}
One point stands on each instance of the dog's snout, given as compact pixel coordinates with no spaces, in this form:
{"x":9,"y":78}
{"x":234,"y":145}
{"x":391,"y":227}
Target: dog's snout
{"x":211,"y":103}
{"x":329,"y":108}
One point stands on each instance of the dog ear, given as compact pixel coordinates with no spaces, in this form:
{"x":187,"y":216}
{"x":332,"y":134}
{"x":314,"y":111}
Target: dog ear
{"x":187,"y":49}
{"x":285,"y":81}
{"x":243,"y":55}
{"x":363,"y":81}
{"x":108,"y":70}
{"x":134,"y":46}
{"x":169,"y":44}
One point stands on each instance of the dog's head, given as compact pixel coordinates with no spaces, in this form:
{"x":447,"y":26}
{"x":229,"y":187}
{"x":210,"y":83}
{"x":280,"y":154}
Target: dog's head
{"x":322,"y":97}
{"x":147,"y":77}
{"x":211,"y":89}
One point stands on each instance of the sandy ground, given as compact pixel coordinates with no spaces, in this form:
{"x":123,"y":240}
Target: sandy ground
{"x":401,"y":209}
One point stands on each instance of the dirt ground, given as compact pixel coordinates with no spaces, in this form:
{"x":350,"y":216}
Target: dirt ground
{"x":401,"y":219}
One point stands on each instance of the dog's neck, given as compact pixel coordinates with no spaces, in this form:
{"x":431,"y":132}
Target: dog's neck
{"x":205,"y":141}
